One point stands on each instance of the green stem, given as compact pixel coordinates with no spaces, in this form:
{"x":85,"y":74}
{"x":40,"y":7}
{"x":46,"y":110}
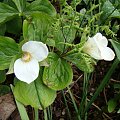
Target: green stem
{"x":36,"y":114}
{"x":66,"y":105}
{"x":45,"y":115}
{"x":84,"y":97}
{"x":103,"y":83}
{"x":75,"y":106}
{"x":49,"y":110}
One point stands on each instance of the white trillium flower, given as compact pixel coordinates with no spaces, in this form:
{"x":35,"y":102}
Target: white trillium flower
{"x":27,"y":68}
{"x":97,"y":48}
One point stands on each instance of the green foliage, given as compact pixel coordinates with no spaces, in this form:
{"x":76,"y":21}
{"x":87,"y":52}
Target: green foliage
{"x":21,"y":4}
{"x":39,"y":26}
{"x":2,"y":76}
{"x":83,"y":61}
{"x":63,"y":35}
{"x":35,"y":94}
{"x":41,"y":6}
{"x":116,"y":46}
{"x":8,"y":49}
{"x":58,"y":74}
{"x":25,"y":29}
{"x":6,"y":12}
{"x":2,"y":29}
{"x":14,"y":26}
{"x":109,"y":10}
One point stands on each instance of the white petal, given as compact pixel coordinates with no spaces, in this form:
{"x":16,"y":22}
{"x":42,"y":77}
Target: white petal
{"x":92,"y":49}
{"x":101,"y":41}
{"x":26,"y":71}
{"x":107,"y":53}
{"x":38,"y":50}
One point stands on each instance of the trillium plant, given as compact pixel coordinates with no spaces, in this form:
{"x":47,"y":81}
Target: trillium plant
{"x":27,"y":68}
{"x":42,"y":56}
{"x":97,"y":48}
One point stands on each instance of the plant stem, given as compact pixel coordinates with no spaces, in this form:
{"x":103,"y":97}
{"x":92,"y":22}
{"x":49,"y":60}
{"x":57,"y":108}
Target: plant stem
{"x":49,"y":110}
{"x":103,"y":83}
{"x":66,"y":105}
{"x":36,"y":114}
{"x":84,"y":97}
{"x":75,"y":106}
{"x":45,"y":115}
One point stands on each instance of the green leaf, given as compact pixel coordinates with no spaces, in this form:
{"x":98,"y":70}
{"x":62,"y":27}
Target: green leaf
{"x":21,"y":108}
{"x":4,"y":89}
{"x":6,"y":12}
{"x":83,"y":61}
{"x":35,"y":94}
{"x":39,"y":27}
{"x":21,"y":4}
{"x":58,"y":75}
{"x":41,"y":6}
{"x":62,"y":36}
{"x":112,"y":105}
{"x":116,"y":46}
{"x":8,"y":49}
{"x":14,"y":26}
{"x":2,"y":76}
{"x":109,"y":10}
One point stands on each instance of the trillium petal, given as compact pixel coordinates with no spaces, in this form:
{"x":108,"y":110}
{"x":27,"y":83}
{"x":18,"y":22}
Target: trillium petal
{"x":107,"y":53}
{"x":101,"y":40}
{"x":92,"y":49}
{"x":38,"y":50}
{"x":26,"y":71}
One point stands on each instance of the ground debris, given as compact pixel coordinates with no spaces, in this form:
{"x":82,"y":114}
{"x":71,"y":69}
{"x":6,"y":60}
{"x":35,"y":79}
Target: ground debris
{"x":7,"y":106}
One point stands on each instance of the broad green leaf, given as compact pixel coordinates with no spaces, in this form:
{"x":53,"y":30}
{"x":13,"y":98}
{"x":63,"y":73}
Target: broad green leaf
{"x":21,"y":108}
{"x":4,"y":89}
{"x":6,"y":12}
{"x":2,"y":76}
{"x":8,"y":46}
{"x":8,"y":49}
{"x":39,"y":27}
{"x":62,"y":36}
{"x":41,"y":6}
{"x":83,"y":61}
{"x":35,"y":94}
{"x":116,"y":46}
{"x":14,"y":26}
{"x":109,"y":10}
{"x":21,"y":4}
{"x":10,"y":3}
{"x":58,"y":75}
{"x":112,"y":105}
